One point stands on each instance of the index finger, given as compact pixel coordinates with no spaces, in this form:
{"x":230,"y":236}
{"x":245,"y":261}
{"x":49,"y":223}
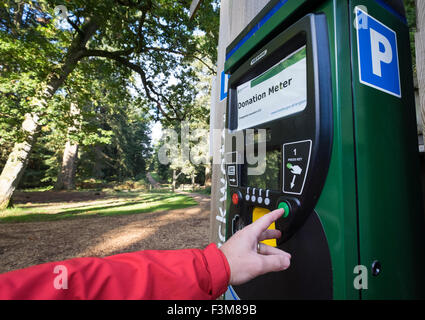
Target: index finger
{"x":265,"y":221}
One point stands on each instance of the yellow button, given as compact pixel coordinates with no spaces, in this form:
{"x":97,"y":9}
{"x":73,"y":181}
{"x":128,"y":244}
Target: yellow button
{"x":257,"y":213}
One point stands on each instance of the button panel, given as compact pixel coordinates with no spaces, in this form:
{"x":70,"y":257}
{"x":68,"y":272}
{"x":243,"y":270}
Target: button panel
{"x":260,"y":197}
{"x":253,"y":198}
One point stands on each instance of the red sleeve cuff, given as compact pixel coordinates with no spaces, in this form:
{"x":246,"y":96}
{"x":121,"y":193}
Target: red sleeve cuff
{"x":219,"y":270}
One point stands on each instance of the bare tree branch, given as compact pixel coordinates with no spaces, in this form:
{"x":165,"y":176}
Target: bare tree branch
{"x":185,"y":54}
{"x":116,"y":56}
{"x":75,"y":26}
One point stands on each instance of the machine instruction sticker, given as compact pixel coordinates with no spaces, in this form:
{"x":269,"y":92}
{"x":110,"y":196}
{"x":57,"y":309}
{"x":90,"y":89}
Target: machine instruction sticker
{"x":278,"y":92}
{"x":296,"y":162}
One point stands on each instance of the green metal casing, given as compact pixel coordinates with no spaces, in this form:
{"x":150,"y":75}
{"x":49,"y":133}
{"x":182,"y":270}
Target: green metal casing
{"x":371,"y":204}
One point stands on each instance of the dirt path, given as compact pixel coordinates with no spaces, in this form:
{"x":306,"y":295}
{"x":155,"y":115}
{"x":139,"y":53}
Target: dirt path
{"x":26,"y":244}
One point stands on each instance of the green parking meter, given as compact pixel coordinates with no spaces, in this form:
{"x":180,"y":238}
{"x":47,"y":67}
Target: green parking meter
{"x":327,"y":88}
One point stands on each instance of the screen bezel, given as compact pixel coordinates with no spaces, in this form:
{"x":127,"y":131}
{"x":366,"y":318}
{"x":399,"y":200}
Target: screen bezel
{"x":280,"y":47}
{"x":277,"y":50}
{"x":266,"y":100}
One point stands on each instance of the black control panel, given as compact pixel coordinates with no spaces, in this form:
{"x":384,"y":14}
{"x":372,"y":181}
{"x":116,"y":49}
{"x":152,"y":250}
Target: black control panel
{"x":298,"y":144}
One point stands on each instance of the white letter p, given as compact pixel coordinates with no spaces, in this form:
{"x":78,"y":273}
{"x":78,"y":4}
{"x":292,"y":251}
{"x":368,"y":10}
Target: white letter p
{"x":379,"y":56}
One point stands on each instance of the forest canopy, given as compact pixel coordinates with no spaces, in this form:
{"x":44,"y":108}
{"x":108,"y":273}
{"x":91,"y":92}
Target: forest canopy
{"x":82,"y":81}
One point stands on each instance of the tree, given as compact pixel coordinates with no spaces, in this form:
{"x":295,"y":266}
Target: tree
{"x":185,"y":149}
{"x":90,"y":86}
{"x":153,"y":39}
{"x":410,"y":6}
{"x":108,"y":103}
{"x":185,"y":145}
{"x":38,"y":101}
{"x":130,"y":144}
{"x":66,"y":176}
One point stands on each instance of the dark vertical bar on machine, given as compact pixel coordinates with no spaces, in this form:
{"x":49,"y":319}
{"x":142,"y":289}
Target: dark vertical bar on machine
{"x":354,"y":139}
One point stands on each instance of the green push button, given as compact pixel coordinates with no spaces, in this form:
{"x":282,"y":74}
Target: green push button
{"x":284,"y":206}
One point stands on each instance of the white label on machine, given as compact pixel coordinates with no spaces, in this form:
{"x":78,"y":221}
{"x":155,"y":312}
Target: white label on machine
{"x":276,"y":93}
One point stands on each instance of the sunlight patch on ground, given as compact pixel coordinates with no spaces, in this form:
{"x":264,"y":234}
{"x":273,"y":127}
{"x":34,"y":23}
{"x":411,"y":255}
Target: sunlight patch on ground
{"x":136,"y":202}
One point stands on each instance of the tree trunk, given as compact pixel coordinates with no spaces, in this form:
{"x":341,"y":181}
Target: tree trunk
{"x":18,"y":159}
{"x":207,"y":182}
{"x":173,"y":185}
{"x":192,"y":177}
{"x":66,"y":176}
{"x":98,"y":164}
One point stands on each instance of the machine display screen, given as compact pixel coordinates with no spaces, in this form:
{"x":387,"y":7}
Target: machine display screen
{"x":278,"y":92}
{"x":270,"y":178}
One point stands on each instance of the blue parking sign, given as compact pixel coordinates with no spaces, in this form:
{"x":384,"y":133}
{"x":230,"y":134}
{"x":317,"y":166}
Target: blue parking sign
{"x":224,"y":80}
{"x":377,"y":54}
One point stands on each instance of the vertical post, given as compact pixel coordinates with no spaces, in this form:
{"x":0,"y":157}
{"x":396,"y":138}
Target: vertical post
{"x":420,"y":56}
{"x":234,"y":17}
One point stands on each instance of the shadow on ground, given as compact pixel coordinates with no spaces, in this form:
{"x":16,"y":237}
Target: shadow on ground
{"x":26,"y":244}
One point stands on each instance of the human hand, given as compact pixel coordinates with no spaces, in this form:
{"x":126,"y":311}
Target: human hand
{"x":241,"y":250}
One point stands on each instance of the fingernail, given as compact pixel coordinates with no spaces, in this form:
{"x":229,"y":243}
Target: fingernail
{"x":288,"y":264}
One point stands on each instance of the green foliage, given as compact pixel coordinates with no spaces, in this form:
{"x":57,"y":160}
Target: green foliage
{"x":126,"y":155}
{"x":145,"y":61}
{"x":208,"y":18}
{"x":410,"y":6}
{"x":163,"y":171}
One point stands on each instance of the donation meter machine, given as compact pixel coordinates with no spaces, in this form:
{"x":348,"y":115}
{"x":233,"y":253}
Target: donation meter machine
{"x":321,"y":122}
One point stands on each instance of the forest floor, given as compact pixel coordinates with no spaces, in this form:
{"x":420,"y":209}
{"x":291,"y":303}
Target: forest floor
{"x":29,"y":243}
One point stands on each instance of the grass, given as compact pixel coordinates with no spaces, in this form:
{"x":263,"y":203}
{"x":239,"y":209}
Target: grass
{"x":206,"y":191}
{"x":120,"y":203}
{"x":38,"y":189}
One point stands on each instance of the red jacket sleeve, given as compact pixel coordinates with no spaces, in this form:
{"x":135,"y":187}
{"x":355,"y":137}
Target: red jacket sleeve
{"x":151,"y":274}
